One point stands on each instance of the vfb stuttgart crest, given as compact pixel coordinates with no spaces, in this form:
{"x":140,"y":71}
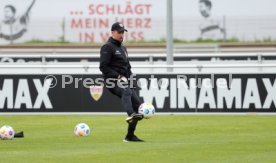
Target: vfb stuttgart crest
{"x":96,"y":92}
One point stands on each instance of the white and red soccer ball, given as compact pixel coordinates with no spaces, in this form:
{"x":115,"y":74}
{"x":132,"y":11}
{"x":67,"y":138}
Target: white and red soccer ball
{"x":147,"y":109}
{"x":6,"y":132}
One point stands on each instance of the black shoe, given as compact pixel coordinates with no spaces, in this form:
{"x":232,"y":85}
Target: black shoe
{"x":133,"y":138}
{"x":19,"y":135}
{"x":134,"y":117}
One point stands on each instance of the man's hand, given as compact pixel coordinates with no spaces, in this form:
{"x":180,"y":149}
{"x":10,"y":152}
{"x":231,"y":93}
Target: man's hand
{"x":122,"y":78}
{"x":122,"y":81}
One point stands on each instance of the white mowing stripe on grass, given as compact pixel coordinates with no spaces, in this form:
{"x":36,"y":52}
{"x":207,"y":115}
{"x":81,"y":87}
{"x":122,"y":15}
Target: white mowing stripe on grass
{"x":123,"y":113}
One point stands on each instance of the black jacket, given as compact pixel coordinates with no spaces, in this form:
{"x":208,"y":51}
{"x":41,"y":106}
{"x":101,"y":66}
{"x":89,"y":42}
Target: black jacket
{"x":114,"y":60}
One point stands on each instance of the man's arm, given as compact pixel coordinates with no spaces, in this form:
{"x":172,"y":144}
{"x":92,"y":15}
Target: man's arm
{"x":13,"y":37}
{"x":129,"y":66}
{"x":105,"y":59}
{"x":25,"y":17}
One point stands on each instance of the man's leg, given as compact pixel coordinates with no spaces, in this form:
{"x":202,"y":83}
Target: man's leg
{"x":126,"y":100}
{"x":131,"y":129}
{"x":131,"y":104}
{"x":126,"y":97}
{"x":136,"y":102}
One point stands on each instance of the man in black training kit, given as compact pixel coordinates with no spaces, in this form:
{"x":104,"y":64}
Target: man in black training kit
{"x":115,"y":66}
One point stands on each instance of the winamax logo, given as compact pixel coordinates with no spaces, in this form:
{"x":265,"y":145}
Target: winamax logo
{"x":16,"y":93}
{"x":241,"y":94}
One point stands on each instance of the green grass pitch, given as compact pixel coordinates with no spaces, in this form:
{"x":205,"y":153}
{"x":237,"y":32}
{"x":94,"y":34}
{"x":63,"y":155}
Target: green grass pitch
{"x":178,"y":138}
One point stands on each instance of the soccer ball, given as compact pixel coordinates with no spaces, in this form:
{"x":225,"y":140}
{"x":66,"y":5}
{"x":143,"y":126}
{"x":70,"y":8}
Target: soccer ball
{"x":82,"y":129}
{"x":6,"y":132}
{"x":147,"y":109}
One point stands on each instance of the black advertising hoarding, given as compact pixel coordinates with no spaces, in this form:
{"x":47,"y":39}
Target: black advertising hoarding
{"x":168,"y":93}
{"x":31,"y":93}
{"x":213,"y":93}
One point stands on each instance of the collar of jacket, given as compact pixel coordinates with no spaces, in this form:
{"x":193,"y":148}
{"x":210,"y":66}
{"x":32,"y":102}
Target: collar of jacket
{"x":116,"y":42}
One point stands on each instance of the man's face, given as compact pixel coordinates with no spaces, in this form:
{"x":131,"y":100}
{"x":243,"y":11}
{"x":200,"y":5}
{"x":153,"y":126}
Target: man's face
{"x":204,"y":10}
{"x":119,"y":36}
{"x":8,"y":14}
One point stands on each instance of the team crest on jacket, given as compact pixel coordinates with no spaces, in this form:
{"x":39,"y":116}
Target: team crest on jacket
{"x":96,"y":92}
